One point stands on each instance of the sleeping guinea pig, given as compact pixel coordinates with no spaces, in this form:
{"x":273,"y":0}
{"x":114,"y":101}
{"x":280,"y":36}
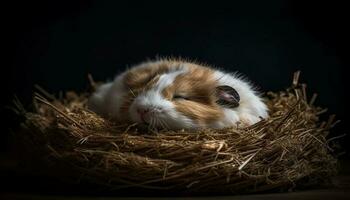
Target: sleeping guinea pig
{"x":175,"y":94}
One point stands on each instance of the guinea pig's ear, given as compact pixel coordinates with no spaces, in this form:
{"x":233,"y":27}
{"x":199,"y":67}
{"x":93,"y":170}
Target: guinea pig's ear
{"x":227,"y":96}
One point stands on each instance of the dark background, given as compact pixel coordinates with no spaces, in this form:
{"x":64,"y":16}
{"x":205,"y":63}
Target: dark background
{"x":57,"y":43}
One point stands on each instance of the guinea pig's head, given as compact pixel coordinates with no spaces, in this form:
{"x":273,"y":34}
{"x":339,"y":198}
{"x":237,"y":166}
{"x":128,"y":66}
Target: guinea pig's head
{"x":175,"y":95}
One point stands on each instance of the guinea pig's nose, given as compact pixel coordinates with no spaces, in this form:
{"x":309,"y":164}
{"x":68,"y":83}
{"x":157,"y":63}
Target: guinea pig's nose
{"x":142,"y":111}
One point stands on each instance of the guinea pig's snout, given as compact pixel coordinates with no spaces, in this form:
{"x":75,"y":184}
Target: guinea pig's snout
{"x":146,"y":112}
{"x":142,"y":111}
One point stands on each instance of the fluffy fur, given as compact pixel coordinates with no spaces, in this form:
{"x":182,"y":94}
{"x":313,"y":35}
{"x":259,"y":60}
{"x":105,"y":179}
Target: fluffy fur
{"x":176,"y":94}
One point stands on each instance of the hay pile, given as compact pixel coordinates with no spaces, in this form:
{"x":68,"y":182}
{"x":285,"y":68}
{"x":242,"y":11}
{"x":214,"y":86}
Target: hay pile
{"x":275,"y":153}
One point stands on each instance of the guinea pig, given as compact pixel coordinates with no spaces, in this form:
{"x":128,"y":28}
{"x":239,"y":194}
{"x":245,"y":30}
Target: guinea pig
{"x":176,"y":94}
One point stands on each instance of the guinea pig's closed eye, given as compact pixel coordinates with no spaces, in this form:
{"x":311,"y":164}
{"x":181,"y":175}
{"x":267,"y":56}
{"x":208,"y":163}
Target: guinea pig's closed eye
{"x":177,"y":97}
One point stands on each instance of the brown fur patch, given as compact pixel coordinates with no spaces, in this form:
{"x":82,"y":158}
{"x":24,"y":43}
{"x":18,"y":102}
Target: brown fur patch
{"x":198,"y":85}
{"x":138,"y":77}
{"x":200,"y":113}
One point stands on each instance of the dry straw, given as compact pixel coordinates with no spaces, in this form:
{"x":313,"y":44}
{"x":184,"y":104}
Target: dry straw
{"x":288,"y":149}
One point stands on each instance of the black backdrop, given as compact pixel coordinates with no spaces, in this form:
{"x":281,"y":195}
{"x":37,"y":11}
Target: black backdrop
{"x":56,"y":43}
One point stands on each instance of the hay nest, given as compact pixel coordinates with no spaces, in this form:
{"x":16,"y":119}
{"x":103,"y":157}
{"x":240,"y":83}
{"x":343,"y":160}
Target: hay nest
{"x":278,"y":152}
